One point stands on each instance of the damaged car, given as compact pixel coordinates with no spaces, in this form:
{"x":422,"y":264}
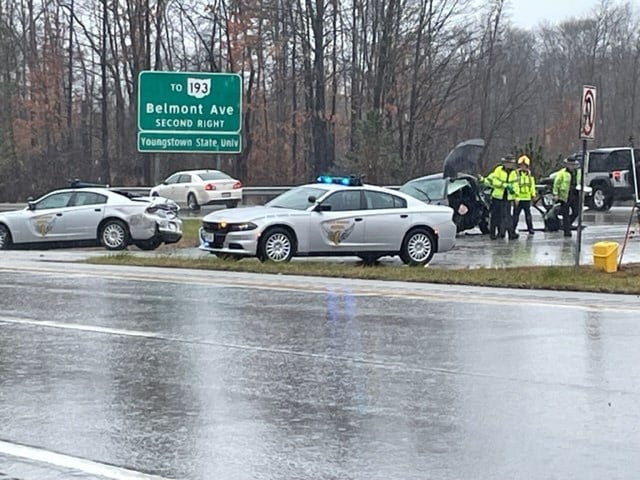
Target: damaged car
{"x":464,"y":193}
{"x":92,"y":216}
{"x":458,"y":187}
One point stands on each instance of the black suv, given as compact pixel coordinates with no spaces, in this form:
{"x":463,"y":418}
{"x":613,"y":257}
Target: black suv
{"x":612,"y":174}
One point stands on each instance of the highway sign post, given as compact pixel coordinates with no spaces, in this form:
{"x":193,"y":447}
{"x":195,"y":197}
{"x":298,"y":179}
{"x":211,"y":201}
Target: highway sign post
{"x":189,"y":112}
{"x":587,"y":132}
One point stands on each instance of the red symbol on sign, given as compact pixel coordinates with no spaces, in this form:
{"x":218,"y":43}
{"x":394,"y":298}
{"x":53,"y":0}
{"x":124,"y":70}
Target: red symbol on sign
{"x":588,"y":113}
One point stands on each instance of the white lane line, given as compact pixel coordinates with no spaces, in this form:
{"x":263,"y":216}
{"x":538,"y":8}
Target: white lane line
{"x":85,"y":328}
{"x":512,"y":298}
{"x":385,"y":365}
{"x":181,"y":339}
{"x":59,"y":460}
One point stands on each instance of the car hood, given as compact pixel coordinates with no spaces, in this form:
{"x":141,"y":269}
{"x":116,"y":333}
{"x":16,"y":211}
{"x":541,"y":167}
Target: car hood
{"x":464,"y":158}
{"x":161,"y":203}
{"x":11,"y":213}
{"x":247,"y":214}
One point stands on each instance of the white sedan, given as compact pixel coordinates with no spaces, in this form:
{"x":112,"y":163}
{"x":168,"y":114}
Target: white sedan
{"x":201,"y":187}
{"x":92,"y":216}
{"x":336,"y":216}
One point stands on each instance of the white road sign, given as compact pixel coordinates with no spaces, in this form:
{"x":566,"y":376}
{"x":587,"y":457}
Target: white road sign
{"x":588,"y":113}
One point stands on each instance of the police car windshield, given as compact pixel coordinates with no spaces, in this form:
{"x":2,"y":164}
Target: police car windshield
{"x":297,"y":198}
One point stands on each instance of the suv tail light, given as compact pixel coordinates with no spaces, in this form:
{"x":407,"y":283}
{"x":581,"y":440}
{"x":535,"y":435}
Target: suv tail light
{"x":237,"y":184}
{"x":209,"y":187}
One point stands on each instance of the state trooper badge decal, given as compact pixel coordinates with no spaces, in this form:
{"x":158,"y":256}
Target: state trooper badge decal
{"x":339,"y":231}
{"x":44,"y":224}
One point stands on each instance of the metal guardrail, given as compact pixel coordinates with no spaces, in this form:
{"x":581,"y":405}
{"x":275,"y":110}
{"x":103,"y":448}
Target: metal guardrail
{"x":6,"y":207}
{"x":247,"y":192}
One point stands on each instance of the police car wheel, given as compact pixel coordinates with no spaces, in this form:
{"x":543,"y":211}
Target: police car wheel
{"x":114,"y":235}
{"x":276,"y":245}
{"x":418,"y":247}
{"x":5,"y":237}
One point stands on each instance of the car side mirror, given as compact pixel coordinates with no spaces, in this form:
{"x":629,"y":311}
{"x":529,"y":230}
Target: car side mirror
{"x":322,"y":208}
{"x":31,"y":205}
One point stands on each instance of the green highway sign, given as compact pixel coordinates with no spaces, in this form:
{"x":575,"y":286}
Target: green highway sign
{"x":189,"y":102}
{"x":178,"y":142}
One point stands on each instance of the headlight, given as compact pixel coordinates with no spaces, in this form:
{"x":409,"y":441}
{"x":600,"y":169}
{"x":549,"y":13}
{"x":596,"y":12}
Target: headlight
{"x":242,"y":227}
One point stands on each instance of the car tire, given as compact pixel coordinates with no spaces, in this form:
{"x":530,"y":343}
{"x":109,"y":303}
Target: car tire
{"x":147,"y":245}
{"x":5,"y":237}
{"x":192,"y":202}
{"x":114,"y":235}
{"x":229,"y":257}
{"x":552,"y":224}
{"x":458,"y":220}
{"x":484,"y":226}
{"x":369,"y":260}
{"x":277,"y":245}
{"x":601,"y":198}
{"x":418,"y":247}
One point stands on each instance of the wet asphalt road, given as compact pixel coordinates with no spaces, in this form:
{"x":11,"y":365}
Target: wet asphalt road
{"x":153,"y":373}
{"x":548,"y":248}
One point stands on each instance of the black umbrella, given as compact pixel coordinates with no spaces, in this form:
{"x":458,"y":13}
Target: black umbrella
{"x":464,"y":158}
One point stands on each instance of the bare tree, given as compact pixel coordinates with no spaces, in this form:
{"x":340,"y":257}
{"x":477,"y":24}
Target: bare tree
{"x":382,"y":87}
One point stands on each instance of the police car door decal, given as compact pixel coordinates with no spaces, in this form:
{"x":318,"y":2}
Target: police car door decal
{"x":338,"y":231}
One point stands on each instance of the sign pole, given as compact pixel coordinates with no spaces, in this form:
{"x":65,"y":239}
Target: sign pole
{"x":581,"y":202}
{"x":155,"y":159}
{"x":587,"y":132}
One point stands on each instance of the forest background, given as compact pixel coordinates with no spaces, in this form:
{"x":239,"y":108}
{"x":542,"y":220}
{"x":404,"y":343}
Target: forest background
{"x":383,"y":88}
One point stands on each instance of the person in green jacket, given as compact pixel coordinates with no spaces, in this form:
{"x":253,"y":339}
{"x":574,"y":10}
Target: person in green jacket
{"x":526,"y":193}
{"x":565,"y":191}
{"x":503,"y":181}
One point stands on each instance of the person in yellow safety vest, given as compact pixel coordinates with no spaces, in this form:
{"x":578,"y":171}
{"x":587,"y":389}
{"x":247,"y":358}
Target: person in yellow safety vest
{"x":503,"y":181}
{"x":565,"y":191}
{"x":526,"y":193}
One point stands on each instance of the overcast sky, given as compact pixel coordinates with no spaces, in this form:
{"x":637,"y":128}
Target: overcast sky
{"x":529,"y":13}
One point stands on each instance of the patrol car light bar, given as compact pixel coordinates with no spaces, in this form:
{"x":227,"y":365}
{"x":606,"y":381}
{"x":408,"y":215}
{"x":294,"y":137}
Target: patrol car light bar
{"x":350,"y":181}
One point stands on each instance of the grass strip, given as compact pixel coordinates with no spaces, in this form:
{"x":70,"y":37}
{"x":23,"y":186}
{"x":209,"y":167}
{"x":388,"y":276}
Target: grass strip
{"x":581,"y":279}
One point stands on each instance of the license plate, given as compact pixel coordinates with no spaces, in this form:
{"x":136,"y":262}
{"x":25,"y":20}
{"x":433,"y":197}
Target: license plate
{"x":209,"y":237}
{"x":226,"y":194}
